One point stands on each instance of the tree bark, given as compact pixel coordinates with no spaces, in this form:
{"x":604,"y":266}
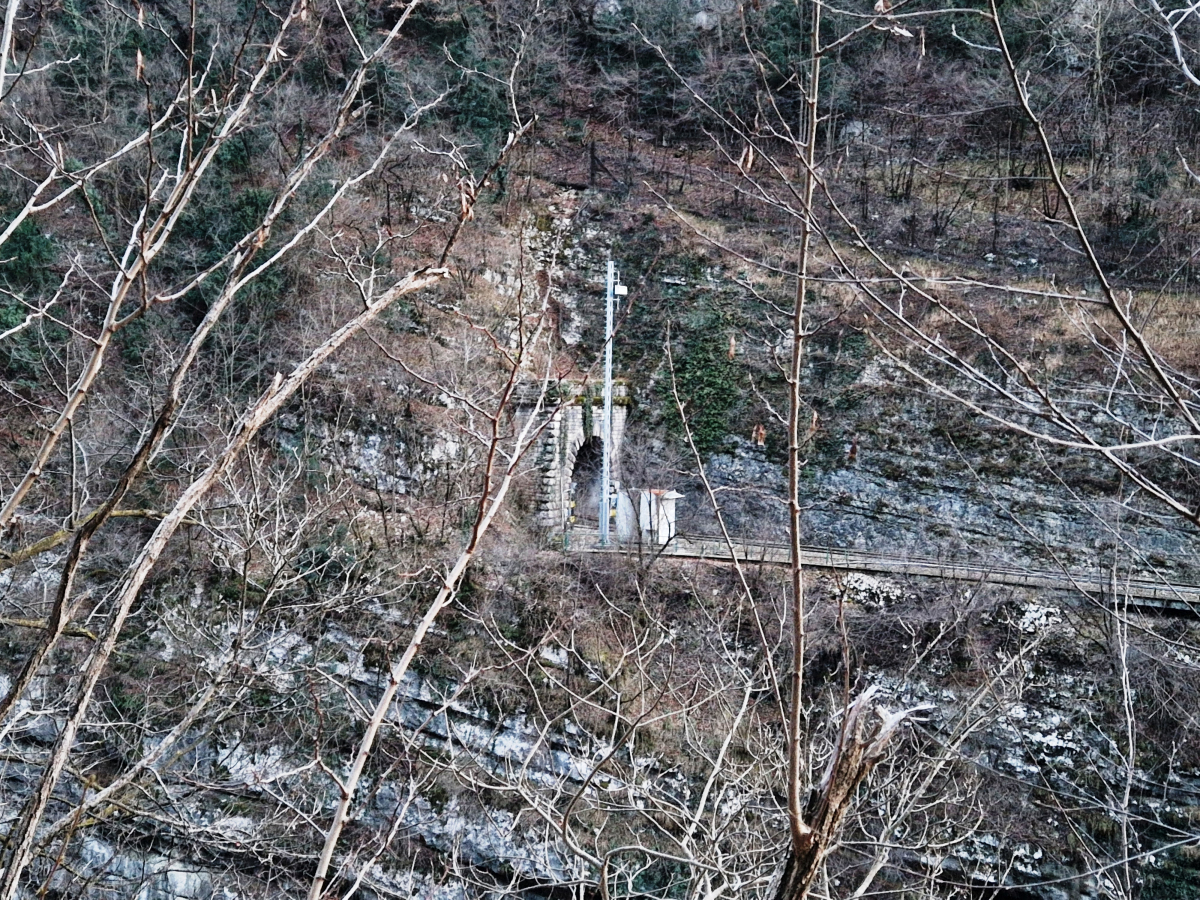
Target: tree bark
{"x":859,"y":748}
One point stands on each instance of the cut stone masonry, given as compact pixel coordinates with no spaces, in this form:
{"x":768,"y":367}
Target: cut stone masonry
{"x":577,"y":419}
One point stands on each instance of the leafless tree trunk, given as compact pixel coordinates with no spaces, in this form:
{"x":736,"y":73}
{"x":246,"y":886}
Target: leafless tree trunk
{"x":203,"y":117}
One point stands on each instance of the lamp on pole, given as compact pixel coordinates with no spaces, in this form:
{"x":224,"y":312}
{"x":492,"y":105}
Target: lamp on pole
{"x":612,"y":290}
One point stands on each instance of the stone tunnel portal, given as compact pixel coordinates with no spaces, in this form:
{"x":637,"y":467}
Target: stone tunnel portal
{"x":570,"y":451}
{"x":585,"y":476}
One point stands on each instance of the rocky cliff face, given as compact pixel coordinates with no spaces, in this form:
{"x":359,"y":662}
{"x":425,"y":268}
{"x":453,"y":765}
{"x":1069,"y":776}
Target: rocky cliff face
{"x":1028,"y":704}
{"x":1036,"y":697}
{"x":566,"y":712}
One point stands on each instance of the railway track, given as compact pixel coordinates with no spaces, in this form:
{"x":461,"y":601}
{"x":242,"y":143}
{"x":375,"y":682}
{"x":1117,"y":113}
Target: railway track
{"x":1160,"y":595}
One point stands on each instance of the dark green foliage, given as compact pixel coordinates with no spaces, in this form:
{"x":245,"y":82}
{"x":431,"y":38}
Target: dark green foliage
{"x":24,"y":274}
{"x":210,"y":230}
{"x":836,"y":359}
{"x":646,"y":91}
{"x":946,"y":36}
{"x":106,"y":41}
{"x":661,"y":879}
{"x":25,"y":259}
{"x":1176,"y":880}
{"x":708,"y":382}
{"x":458,"y":46}
{"x":433,"y":26}
{"x":236,"y":157}
{"x":217,"y":226}
{"x":784,"y":39}
{"x":333,"y":559}
{"x":480,"y":108}
{"x":137,"y":338}
{"x":1153,"y":175}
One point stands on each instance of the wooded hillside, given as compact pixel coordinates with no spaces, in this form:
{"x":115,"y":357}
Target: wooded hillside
{"x":295,"y":297}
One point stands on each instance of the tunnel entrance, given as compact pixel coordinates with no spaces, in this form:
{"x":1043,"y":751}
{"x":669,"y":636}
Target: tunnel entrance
{"x":585,"y":476}
{"x":570,"y":453}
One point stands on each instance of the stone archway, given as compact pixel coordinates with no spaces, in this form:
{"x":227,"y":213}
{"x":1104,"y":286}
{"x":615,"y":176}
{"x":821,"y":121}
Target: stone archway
{"x":585,"y":476}
{"x":572,"y":426}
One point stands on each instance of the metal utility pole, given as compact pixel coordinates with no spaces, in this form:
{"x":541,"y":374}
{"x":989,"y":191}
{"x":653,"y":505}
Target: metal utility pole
{"x":612,"y":290}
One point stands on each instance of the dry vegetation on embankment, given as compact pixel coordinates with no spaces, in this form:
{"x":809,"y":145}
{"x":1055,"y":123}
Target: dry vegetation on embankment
{"x":558,"y":710}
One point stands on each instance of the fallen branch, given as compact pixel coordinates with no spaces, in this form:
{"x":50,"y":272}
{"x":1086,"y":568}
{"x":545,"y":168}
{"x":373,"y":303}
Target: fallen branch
{"x":42,"y":625}
{"x":9,"y":559}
